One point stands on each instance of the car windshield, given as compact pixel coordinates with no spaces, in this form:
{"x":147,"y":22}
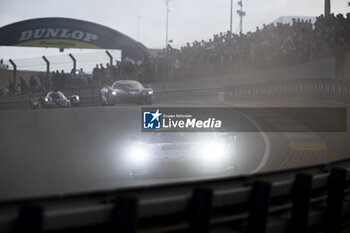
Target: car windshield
{"x":56,"y":95}
{"x":128,"y":86}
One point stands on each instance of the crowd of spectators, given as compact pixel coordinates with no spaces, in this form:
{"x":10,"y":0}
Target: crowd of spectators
{"x":2,"y":65}
{"x":42,"y":83}
{"x":270,"y":46}
{"x":101,"y":74}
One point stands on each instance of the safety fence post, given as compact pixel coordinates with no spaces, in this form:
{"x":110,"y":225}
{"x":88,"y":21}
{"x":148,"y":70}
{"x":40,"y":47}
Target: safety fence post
{"x":336,"y":187}
{"x":301,"y":203}
{"x":110,"y":57}
{"x":30,"y":219}
{"x":110,"y":63}
{"x":124,"y":218}
{"x":259,"y":207}
{"x":14,"y":75}
{"x":200,"y":207}
{"x":74,"y":64}
{"x":75,"y":83}
{"x":47,"y":66}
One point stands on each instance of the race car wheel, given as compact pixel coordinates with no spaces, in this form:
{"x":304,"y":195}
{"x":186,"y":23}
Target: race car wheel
{"x":149,"y":101}
{"x":32,"y":106}
{"x":110,"y":102}
{"x":102,"y":102}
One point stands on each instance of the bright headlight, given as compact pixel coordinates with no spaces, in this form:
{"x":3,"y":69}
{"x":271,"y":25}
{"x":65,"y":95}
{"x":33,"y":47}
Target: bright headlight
{"x":77,"y":98}
{"x":150,"y":92}
{"x":137,"y":155}
{"x":114,"y":93}
{"x":46,"y":99}
{"x":213,"y":152}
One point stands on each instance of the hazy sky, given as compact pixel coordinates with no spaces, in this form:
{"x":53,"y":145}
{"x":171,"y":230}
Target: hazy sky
{"x":189,"y":20}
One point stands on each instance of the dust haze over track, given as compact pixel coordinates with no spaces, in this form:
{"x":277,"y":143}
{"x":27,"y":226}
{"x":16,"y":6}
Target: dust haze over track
{"x":62,"y":151}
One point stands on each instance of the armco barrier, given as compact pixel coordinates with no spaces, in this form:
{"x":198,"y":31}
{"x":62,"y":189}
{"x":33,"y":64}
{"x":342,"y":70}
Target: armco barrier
{"x":163,"y":96}
{"x":24,"y":104}
{"x":311,"y":199}
{"x":188,"y":94}
{"x":330,"y":89}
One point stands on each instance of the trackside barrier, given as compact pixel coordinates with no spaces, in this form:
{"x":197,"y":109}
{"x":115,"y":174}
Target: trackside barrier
{"x":24,"y":104}
{"x":185,"y":95}
{"x":296,"y":200}
{"x":188,"y":94}
{"x":330,"y":89}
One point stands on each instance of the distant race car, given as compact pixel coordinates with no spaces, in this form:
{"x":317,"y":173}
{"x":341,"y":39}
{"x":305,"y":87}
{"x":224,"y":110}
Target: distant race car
{"x":200,"y":153}
{"x":126,"y":91}
{"x":54,"y":99}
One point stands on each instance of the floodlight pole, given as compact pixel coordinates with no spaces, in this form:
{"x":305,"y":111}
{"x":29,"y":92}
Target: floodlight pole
{"x":14,"y":75}
{"x":231,"y":9}
{"x":138,"y":28}
{"x":166,"y":42}
{"x":327,"y":8}
{"x":74,"y":64}
{"x":167,"y":24}
{"x":241,"y":14}
{"x":47,"y":66}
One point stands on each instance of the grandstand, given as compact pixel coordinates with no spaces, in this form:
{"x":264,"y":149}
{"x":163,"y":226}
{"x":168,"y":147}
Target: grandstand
{"x":289,"y":40}
{"x":289,"y":19}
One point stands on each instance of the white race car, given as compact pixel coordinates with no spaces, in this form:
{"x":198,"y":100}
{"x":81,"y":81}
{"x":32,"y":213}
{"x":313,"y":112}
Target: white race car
{"x":175,"y":152}
{"x":126,"y":91}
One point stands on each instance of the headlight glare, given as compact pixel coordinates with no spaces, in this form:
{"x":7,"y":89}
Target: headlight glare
{"x":137,"y":155}
{"x":213,"y":152}
{"x":114,"y":93}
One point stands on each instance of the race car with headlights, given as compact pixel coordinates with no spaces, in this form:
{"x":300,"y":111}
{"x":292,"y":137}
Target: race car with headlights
{"x":175,"y":152}
{"x":54,"y":99}
{"x":126,"y":91}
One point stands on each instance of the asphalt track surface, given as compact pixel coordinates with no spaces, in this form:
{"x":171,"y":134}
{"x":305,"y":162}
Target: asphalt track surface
{"x":55,"y":152}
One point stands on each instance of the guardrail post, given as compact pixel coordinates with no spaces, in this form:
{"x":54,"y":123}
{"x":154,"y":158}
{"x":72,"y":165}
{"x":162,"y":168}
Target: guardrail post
{"x":301,"y":203}
{"x":30,"y":219}
{"x":201,"y":210}
{"x":259,"y":207}
{"x":14,"y":75}
{"x":336,"y":187}
{"x":125,"y":214}
{"x":47,"y":67}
